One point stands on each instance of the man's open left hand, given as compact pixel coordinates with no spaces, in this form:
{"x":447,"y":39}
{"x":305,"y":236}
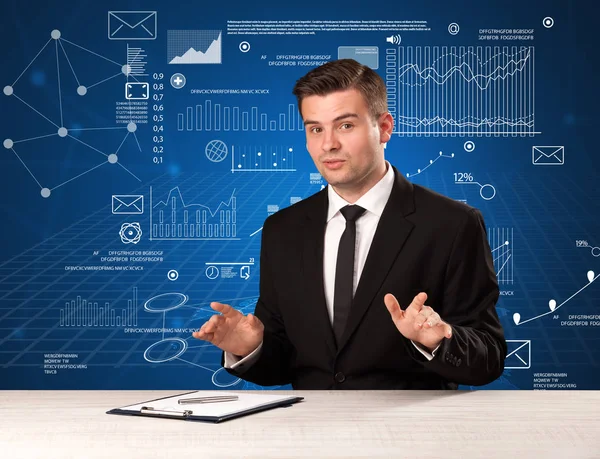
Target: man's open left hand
{"x":418,"y":322}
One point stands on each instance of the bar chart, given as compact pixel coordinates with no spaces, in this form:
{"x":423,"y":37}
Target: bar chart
{"x":82,"y":312}
{"x":212,"y":116}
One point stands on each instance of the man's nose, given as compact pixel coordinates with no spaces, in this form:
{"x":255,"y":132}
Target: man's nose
{"x":330,"y":141}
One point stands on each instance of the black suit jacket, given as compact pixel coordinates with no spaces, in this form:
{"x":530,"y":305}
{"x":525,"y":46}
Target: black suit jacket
{"x":424,"y":242}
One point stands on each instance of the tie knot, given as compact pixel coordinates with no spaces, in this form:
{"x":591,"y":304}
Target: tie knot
{"x":352,"y":212}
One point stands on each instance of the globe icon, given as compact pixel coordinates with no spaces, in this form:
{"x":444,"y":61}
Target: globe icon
{"x":216,"y":151}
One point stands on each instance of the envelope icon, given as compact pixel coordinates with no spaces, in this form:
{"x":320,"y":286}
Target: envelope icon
{"x":132,"y":25}
{"x":548,"y":156}
{"x":518,"y":356}
{"x":128,"y":204}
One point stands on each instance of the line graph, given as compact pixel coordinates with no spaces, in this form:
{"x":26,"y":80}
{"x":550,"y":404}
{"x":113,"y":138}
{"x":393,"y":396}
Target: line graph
{"x":501,"y":244}
{"x":441,"y":91}
{"x":431,"y":163}
{"x":552,"y":306}
{"x":173,"y":219}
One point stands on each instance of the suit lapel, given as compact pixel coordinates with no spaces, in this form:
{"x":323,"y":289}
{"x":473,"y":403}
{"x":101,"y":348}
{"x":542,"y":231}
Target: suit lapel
{"x":313,"y":241}
{"x":391,"y":234}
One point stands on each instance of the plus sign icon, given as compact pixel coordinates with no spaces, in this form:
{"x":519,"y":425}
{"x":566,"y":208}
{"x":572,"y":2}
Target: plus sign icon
{"x":178,"y":81}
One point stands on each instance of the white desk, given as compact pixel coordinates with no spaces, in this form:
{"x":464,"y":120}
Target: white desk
{"x":485,"y":424}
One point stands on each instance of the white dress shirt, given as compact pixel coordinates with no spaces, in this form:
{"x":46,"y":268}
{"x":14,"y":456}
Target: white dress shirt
{"x":373,"y":201}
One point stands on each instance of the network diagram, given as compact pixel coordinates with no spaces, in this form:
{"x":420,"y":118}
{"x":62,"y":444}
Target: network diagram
{"x":128,"y":70}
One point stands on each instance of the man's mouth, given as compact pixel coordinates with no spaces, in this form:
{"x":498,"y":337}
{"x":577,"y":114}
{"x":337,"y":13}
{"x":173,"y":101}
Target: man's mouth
{"x":333,"y":163}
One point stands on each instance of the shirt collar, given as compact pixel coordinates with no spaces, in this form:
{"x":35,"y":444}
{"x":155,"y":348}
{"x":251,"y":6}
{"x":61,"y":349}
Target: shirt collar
{"x":373,"y":200}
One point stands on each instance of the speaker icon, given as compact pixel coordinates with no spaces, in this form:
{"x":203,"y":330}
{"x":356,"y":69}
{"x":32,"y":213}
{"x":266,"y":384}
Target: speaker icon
{"x":394,"y":39}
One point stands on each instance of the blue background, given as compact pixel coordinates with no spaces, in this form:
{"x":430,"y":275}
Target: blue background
{"x":544,"y":209}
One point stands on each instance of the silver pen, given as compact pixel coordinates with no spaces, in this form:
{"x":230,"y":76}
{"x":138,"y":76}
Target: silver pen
{"x":212,"y":399}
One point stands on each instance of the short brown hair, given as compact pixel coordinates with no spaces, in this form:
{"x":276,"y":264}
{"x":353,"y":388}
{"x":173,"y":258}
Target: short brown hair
{"x":341,"y":75}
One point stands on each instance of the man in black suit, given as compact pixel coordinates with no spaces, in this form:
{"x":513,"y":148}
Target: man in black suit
{"x":336,"y":267}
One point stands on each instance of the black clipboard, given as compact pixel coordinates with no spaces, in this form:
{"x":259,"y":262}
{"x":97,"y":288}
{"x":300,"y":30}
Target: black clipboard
{"x":188,"y":414}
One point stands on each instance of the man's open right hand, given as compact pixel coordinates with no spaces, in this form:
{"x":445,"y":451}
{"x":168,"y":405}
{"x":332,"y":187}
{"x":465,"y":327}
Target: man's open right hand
{"x":231,"y":330}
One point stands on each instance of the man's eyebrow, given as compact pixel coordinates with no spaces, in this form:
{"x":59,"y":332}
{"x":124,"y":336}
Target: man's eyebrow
{"x":339,"y":118}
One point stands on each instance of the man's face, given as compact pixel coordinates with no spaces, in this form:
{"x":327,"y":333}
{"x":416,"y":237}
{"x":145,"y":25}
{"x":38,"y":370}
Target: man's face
{"x":344,"y":141}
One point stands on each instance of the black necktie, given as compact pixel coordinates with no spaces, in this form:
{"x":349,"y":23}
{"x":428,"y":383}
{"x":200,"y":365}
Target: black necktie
{"x":344,"y":271}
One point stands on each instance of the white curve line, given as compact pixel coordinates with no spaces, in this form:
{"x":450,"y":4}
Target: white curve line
{"x":557,"y":307}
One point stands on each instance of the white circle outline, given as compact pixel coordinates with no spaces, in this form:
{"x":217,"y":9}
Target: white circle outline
{"x":213,"y":379}
{"x":184,"y":299}
{"x":179,"y":340}
{"x":481,"y":192}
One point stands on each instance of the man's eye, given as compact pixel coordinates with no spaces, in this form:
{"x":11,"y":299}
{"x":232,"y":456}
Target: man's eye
{"x":346,"y":126}
{"x":316,"y":130}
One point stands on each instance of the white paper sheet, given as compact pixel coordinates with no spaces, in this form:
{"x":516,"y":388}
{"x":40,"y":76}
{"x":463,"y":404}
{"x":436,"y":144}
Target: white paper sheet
{"x":218,"y":409}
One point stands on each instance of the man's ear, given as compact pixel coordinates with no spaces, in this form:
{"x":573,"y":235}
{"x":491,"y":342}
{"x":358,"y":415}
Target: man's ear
{"x":386,"y":127}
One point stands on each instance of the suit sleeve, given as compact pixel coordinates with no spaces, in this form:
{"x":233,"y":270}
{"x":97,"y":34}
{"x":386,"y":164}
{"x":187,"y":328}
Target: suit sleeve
{"x":273,"y":366}
{"x":475,"y":353}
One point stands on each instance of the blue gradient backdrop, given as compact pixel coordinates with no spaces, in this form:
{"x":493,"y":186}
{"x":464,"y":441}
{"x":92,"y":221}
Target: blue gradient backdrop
{"x":543,"y":210}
